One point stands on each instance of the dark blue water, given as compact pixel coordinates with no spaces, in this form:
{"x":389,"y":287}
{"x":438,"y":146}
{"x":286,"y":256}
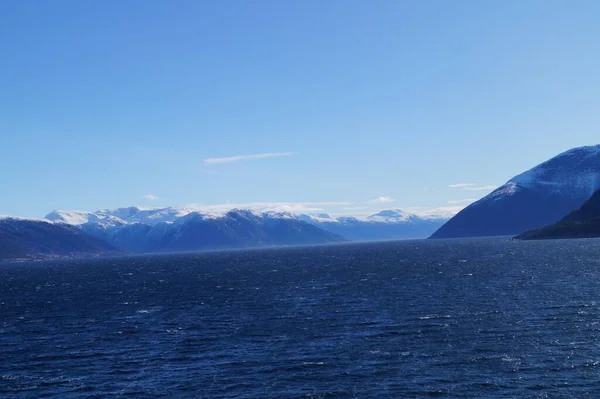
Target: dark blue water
{"x":457,"y":319}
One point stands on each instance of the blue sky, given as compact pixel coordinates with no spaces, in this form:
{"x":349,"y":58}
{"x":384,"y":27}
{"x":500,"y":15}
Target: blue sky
{"x":351,"y":106}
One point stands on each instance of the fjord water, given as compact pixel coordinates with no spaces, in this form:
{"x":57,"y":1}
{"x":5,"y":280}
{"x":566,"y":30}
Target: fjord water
{"x":457,"y":318}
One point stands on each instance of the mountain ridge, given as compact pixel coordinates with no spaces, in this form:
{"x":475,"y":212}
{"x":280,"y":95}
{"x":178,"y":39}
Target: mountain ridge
{"x":387,"y":224}
{"x":168,"y":231}
{"x":30,"y":239}
{"x":537,"y":197}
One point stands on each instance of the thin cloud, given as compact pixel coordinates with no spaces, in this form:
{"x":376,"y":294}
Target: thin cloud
{"x":472,"y":186}
{"x":150,"y":197}
{"x":236,"y":158}
{"x":489,"y":187}
{"x":461,"y":185}
{"x":462,"y":201}
{"x":381,"y":200}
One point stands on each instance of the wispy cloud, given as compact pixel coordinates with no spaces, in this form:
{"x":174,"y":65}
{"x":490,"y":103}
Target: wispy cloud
{"x":380,"y":200}
{"x":482,"y":188}
{"x":236,"y":158}
{"x":462,"y":201}
{"x":472,"y":186}
{"x":150,"y":197}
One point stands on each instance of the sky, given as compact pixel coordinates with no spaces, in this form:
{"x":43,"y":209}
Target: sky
{"x":343,"y":106}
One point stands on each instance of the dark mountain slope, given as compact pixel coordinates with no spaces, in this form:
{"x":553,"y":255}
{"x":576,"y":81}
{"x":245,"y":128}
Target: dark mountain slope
{"x":33,"y":239}
{"x":585,"y":222}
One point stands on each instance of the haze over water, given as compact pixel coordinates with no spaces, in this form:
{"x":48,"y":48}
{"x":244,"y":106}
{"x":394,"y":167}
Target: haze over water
{"x":457,"y":318}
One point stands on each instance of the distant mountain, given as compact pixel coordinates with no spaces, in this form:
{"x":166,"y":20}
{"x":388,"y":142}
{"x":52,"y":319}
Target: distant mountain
{"x":120,"y":216}
{"x":538,"y":197}
{"x":175,"y":229}
{"x":584,"y":222}
{"x":35,"y":239}
{"x":391,"y":224}
{"x":187,"y":228}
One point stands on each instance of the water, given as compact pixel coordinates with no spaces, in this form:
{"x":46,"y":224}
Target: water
{"x":457,"y":319}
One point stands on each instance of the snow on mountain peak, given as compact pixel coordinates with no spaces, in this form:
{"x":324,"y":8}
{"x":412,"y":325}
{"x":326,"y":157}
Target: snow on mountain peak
{"x":575,"y":171}
{"x":123,"y":213}
{"x":395,"y":215}
{"x":385,"y":216}
{"x":78,"y":218}
{"x":244,"y":214}
{"x":16,"y":218}
{"x":69,"y":217}
{"x":280,"y":215}
{"x":318,"y":218}
{"x":190,"y":217}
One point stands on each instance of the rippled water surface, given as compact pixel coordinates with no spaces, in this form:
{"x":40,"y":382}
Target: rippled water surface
{"x":457,"y":319}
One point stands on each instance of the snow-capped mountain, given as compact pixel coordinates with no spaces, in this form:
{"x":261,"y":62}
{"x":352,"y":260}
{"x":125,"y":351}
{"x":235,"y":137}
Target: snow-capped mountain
{"x":121,"y":216}
{"x":184,"y":229}
{"x":187,"y":228}
{"x":390,"y":224}
{"x":78,"y":218}
{"x":535,"y":198}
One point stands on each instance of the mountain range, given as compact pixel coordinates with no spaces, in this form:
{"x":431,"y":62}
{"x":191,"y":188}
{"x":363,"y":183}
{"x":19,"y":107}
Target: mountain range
{"x":390,"y":224}
{"x":533,"y":199}
{"x":187,"y":229}
{"x":172,"y":229}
